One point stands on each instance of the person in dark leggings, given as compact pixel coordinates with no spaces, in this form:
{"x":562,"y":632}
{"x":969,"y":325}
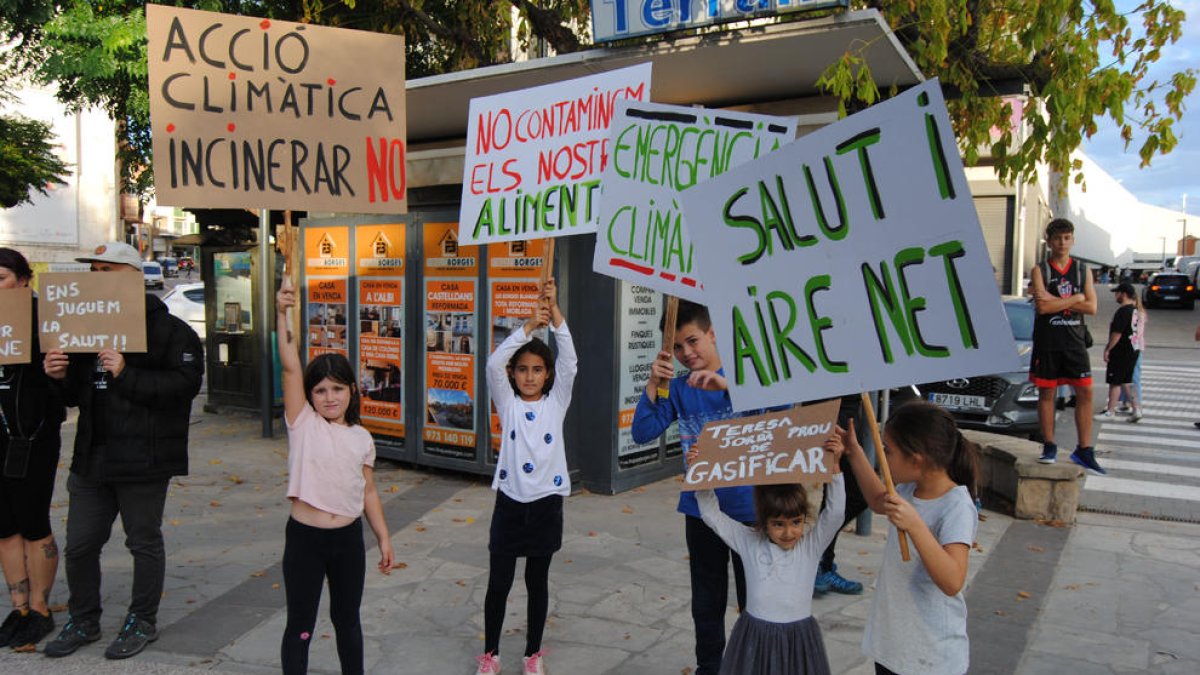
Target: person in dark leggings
{"x":828,"y":578}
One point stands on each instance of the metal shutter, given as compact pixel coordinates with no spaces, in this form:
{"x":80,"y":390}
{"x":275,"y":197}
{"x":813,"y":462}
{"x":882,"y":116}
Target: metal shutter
{"x":995,"y":219}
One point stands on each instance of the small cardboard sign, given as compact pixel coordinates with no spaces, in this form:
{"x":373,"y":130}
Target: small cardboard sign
{"x":84,"y":312}
{"x":15,"y":326}
{"x":778,"y":447}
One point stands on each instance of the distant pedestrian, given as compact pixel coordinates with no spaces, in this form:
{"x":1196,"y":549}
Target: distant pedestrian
{"x":531,"y":391}
{"x":1063,"y":294}
{"x":331,"y":485}
{"x":918,"y":619}
{"x":134,"y":415}
{"x":31,"y":412}
{"x":1125,"y":338}
{"x":777,"y":633}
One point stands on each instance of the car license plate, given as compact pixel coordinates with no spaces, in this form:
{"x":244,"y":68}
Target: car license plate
{"x":1170,"y":297}
{"x":958,"y":400}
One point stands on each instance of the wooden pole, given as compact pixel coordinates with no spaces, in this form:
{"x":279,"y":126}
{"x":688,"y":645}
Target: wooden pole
{"x":547,"y":268}
{"x":883,"y":465}
{"x":668,"y":343}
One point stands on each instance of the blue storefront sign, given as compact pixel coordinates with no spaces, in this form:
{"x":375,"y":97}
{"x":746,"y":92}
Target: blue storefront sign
{"x":619,"y":19}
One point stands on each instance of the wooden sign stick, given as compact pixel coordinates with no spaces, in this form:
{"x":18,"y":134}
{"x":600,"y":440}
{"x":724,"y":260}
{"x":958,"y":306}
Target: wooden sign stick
{"x":668,"y":343}
{"x":547,"y":267}
{"x":883,"y":465}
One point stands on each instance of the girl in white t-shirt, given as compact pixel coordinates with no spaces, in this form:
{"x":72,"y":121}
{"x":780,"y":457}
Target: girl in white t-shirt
{"x":331,"y":486}
{"x":918,"y":621}
{"x":531,"y":392}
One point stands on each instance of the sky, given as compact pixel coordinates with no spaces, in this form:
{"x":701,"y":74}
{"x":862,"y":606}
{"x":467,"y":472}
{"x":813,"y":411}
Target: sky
{"x":1169,"y":177}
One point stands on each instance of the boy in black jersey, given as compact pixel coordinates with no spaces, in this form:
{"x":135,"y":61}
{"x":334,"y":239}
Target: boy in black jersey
{"x":1062,"y":294}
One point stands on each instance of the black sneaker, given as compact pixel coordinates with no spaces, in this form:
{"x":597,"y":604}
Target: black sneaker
{"x":33,"y":630}
{"x":73,"y":636}
{"x":133,"y":638}
{"x":9,"y":628}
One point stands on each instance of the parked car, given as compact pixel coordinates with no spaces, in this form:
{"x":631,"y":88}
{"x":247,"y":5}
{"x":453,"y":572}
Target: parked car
{"x":1169,"y":288}
{"x":186,"y":301}
{"x":170,"y":267}
{"x":1004,"y":402}
{"x":153,"y":273}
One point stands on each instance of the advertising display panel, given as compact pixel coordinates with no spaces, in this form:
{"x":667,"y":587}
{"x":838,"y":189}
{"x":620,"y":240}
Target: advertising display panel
{"x":326,"y":291}
{"x":379,"y":267}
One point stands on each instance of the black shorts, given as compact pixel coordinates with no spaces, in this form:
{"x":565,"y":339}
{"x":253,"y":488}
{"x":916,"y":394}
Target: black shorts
{"x":1052,"y":368}
{"x":1121,"y":363}
{"x":25,"y":502}
{"x":531,"y":529}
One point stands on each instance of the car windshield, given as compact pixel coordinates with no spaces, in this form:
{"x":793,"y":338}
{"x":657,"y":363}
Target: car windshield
{"x":151,"y":268}
{"x":194,"y":294}
{"x":1020,"y":319}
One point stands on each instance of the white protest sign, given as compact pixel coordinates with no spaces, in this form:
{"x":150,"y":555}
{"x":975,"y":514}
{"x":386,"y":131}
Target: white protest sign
{"x":534,"y":156}
{"x":655,"y":152}
{"x":850,"y":260}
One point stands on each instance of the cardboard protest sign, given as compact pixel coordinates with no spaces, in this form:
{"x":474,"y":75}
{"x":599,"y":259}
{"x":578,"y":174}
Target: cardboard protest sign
{"x":534,"y":156}
{"x":85,"y":312}
{"x":260,"y":113}
{"x":777,"y":447}
{"x":655,"y":152}
{"x":16,"y":319}
{"x":850,"y":260}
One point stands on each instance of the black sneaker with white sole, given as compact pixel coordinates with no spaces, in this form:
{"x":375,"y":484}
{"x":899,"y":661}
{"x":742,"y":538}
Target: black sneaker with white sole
{"x":133,"y":638}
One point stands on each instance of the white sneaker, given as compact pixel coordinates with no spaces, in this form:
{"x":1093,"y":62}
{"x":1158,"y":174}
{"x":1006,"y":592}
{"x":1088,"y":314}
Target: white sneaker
{"x":489,"y":664}
{"x":1106,"y":415}
{"x":1136,"y":416}
{"x":534,"y":665}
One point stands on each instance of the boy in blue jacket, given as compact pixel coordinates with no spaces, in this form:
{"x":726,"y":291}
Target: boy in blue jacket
{"x":695,"y":399}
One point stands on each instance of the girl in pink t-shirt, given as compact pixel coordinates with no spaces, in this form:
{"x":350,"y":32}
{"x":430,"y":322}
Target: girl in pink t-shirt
{"x":330,"y":484}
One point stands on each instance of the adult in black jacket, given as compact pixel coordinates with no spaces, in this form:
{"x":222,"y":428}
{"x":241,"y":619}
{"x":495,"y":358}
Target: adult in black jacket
{"x":30,"y":416}
{"x":132,"y":438}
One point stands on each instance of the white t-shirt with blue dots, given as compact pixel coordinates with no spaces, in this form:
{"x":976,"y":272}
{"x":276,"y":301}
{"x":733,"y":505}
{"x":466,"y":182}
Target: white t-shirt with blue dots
{"x":533,"y":459}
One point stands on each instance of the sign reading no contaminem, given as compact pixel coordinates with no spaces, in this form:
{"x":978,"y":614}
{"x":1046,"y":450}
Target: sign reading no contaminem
{"x":250,"y":112}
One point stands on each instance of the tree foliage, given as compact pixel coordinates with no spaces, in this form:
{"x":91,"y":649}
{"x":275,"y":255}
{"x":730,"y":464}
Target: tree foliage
{"x":27,"y":160}
{"x":1082,"y":60}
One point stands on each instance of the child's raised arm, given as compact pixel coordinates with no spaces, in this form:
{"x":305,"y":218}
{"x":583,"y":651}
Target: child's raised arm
{"x":566,"y":363}
{"x":872,"y":488}
{"x":294,"y":399}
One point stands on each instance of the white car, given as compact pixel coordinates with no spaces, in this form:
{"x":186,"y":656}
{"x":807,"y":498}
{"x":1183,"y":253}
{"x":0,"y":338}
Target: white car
{"x":153,"y":273}
{"x":186,"y":301}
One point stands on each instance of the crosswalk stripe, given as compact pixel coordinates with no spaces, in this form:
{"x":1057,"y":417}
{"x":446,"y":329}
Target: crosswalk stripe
{"x":1152,"y":467}
{"x":1151,"y":431}
{"x":1142,"y":488}
{"x":1157,"y":454}
{"x":1142,"y":440}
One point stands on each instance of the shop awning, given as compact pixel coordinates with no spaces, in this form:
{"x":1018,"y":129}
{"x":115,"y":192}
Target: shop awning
{"x":723,"y":69}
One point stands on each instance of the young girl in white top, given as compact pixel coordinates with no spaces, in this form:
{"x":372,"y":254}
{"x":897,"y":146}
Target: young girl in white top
{"x":918,"y":622}
{"x":777,"y":633}
{"x":531,"y":392}
{"x":330,"y":484}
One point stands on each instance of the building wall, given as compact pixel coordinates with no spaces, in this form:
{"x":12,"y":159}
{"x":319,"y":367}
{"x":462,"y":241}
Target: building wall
{"x":73,"y":218}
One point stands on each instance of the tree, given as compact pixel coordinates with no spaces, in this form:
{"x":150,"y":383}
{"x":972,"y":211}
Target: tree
{"x":27,"y":160}
{"x":1084,"y":60}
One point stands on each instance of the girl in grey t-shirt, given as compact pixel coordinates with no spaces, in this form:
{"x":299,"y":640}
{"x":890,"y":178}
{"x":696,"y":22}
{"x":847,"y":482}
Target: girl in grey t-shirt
{"x":918,"y":621}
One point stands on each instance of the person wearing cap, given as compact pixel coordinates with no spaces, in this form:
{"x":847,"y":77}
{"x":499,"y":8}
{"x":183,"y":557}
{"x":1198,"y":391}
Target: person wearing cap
{"x":132,"y":437}
{"x":1126,"y":335}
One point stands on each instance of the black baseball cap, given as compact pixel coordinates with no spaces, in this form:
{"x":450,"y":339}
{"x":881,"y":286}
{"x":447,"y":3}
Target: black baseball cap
{"x":1126,"y":288}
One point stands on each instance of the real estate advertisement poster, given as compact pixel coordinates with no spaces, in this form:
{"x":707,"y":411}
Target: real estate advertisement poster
{"x":326,"y":292}
{"x":379,"y":264}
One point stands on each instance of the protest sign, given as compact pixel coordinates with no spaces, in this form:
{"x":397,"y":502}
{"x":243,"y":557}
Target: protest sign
{"x":655,"y":152}
{"x":777,"y":447}
{"x":850,"y":260}
{"x":16,"y":308}
{"x":260,"y":113}
{"x":85,"y":312}
{"x":534,"y":156}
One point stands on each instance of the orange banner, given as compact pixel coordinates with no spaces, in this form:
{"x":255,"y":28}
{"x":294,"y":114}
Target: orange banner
{"x":381,"y":355}
{"x":379,"y":250}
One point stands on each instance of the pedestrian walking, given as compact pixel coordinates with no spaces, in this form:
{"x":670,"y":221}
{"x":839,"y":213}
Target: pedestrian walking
{"x":1125,"y":338}
{"x":532,"y":392}
{"x":918,"y":620}
{"x":132,"y":437}
{"x":31,"y":412}
{"x":331,"y":485}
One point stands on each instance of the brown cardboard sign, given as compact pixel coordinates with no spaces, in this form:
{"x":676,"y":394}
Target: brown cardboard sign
{"x":777,"y":447}
{"x":16,"y":305}
{"x":262,"y":113}
{"x":85,"y":312}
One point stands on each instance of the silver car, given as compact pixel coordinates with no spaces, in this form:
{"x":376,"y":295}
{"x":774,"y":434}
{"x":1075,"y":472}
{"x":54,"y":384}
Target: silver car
{"x":1004,"y":402}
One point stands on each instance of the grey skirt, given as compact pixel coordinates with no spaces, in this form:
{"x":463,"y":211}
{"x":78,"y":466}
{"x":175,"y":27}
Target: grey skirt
{"x":767,"y":648}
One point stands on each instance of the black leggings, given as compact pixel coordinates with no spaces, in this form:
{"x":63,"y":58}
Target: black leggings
{"x":311,"y":555}
{"x":500,"y":581}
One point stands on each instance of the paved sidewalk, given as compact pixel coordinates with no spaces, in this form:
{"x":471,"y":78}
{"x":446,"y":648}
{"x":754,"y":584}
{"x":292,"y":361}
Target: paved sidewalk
{"x":1117,"y":594}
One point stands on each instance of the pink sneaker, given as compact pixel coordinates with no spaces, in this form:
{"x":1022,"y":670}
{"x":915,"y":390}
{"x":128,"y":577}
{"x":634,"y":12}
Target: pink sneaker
{"x":534,"y":665}
{"x":488,"y":664}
